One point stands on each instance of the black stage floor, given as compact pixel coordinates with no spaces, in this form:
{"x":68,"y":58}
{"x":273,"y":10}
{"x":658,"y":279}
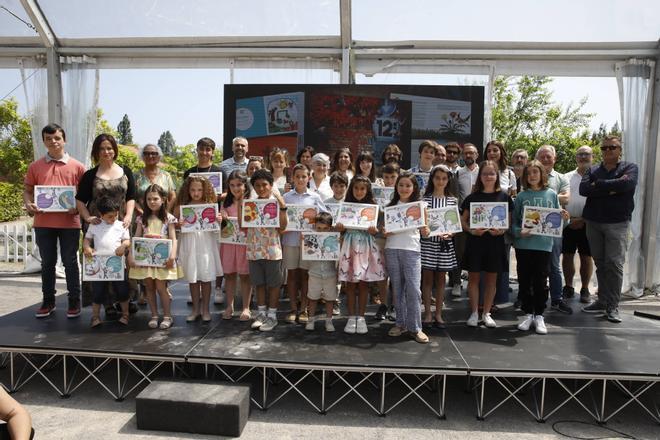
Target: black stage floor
{"x":579,"y":344}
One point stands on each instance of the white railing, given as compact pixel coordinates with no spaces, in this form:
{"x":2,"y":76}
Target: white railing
{"x":16,"y":242}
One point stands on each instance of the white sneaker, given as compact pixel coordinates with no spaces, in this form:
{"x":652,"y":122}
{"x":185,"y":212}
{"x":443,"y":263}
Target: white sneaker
{"x":473,"y":320}
{"x":351,"y":325}
{"x":488,"y":321}
{"x":309,"y":326}
{"x":527,"y":323}
{"x":258,"y":321}
{"x":268,"y":325}
{"x":361,"y":326}
{"x":219,"y":297}
{"x":456,"y":290}
{"x":329,"y":326}
{"x":539,"y":323}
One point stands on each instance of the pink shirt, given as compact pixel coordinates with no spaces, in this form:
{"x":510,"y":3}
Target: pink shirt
{"x":65,"y":172}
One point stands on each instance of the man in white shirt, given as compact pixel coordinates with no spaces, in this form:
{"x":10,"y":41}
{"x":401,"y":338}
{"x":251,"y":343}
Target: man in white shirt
{"x":575,"y":234}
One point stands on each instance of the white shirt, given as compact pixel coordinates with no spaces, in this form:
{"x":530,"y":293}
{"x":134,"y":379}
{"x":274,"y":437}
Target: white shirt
{"x":575,"y":200}
{"x":406,"y":240}
{"x":507,"y":179}
{"x":324,"y":189}
{"x":107,"y":238}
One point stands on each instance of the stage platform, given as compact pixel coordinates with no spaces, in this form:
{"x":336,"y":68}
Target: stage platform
{"x":582,"y":359}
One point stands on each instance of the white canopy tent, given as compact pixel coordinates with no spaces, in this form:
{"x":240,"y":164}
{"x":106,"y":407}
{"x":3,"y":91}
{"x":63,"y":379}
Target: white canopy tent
{"x":67,"y":42}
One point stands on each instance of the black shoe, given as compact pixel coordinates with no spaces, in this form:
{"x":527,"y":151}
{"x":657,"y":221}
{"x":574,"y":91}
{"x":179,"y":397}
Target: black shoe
{"x":594,"y":307}
{"x":391,"y":314}
{"x":111,"y":314}
{"x":381,"y":312}
{"x":561,"y":306}
{"x":585,"y":295}
{"x":132,"y":308}
{"x":612,"y":315}
{"x":568,"y":292}
{"x":517,"y":304}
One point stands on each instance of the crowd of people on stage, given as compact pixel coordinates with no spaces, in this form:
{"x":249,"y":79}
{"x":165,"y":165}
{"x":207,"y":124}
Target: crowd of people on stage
{"x":405,"y":272}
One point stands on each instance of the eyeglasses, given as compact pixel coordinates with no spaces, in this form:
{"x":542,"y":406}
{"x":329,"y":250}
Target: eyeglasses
{"x":583,"y":155}
{"x":150,"y":153}
{"x":609,"y":147}
{"x":452,"y":152}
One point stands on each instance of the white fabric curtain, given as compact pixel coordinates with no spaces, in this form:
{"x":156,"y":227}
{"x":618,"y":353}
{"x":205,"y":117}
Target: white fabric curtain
{"x":635,"y":82}
{"x":80,"y":96}
{"x":35,"y":87}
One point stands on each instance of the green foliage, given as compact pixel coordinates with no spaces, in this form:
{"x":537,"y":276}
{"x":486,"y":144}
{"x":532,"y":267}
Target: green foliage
{"x":525,"y":116}
{"x":129,"y":157}
{"x":103,"y":126}
{"x":182,"y":158}
{"x":124,"y":133}
{"x":166,"y":143}
{"x":16,"y":150}
{"x":11,"y":201}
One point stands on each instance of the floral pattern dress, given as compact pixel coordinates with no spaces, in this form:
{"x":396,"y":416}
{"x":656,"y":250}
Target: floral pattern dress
{"x":360,"y":258}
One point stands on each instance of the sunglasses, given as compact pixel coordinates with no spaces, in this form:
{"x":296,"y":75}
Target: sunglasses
{"x":609,"y":147}
{"x":150,"y":153}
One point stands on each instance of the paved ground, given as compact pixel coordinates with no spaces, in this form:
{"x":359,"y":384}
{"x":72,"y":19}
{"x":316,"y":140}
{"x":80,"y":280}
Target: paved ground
{"x":93,"y":414}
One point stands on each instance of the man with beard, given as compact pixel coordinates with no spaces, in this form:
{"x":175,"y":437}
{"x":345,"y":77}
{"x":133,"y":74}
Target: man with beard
{"x":519,"y":159}
{"x":239,"y":148}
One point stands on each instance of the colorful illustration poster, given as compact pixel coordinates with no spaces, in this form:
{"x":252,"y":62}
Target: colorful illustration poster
{"x":334,"y":210}
{"x":150,"y":252}
{"x":320,"y":246}
{"x":261,"y":213}
{"x":203,"y":217}
{"x":383,"y":195}
{"x":405,"y":217}
{"x":489,"y":215}
{"x":214,"y":177}
{"x":357,"y":215}
{"x":422,"y":180}
{"x":543,"y":221}
{"x":103,"y":268}
{"x":445,"y":220}
{"x":301,"y":217}
{"x":232,"y":233}
{"x":55,"y":198}
{"x":270,"y":115}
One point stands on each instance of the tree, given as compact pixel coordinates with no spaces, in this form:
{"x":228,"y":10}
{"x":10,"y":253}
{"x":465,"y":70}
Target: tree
{"x":128,"y":157}
{"x":16,"y":146}
{"x":525,"y":116}
{"x":181,"y":158}
{"x":124,"y":134}
{"x":166,"y":143}
{"x":103,"y":126}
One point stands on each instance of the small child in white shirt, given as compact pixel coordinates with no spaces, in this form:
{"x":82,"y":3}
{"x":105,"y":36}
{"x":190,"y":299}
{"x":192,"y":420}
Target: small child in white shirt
{"x":322,"y":282}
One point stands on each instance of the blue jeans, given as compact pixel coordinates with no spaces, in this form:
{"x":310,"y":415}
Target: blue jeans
{"x":69,"y":239}
{"x":555,"y":270}
{"x":405,"y":270}
{"x":608,"y":243}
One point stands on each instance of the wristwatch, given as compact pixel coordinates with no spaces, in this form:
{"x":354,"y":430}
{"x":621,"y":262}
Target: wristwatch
{"x":284,"y":208}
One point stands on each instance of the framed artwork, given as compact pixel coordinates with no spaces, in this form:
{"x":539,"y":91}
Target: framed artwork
{"x":357,"y":215}
{"x":404,"y":217}
{"x":50,"y":198}
{"x":196,"y":218}
{"x":103,"y":268}
{"x":215,"y":177}
{"x":489,"y":215}
{"x":543,"y":221}
{"x":383,"y":195}
{"x":261,"y":213}
{"x":422,"y":180}
{"x":232,"y":233}
{"x":151,"y":252}
{"x":334,"y":210}
{"x":445,"y":220}
{"x":320,"y":246}
{"x":301,"y":217}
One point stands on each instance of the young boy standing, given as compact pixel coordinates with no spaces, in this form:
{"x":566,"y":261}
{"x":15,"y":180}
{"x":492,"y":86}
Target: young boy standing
{"x":322,"y":280}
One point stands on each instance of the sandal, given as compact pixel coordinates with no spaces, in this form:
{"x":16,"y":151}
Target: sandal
{"x":206,"y":318}
{"x":96,"y":321}
{"x":167,"y":323}
{"x":192,"y":317}
{"x":123,"y":320}
{"x":153,"y":322}
{"x":396,"y":331}
{"x":245,"y":315}
{"x":227,"y":314}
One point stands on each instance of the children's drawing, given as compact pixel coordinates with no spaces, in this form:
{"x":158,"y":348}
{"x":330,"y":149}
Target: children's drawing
{"x":103,"y":268}
{"x":261,"y":213}
{"x":215,"y":178}
{"x":55,"y":198}
{"x":301,"y":217}
{"x":357,"y":215}
{"x":444,"y":221}
{"x":489,"y":215}
{"x":199,"y":218}
{"x":150,"y":252}
{"x":320,"y":246}
{"x":422,"y":180}
{"x":334,"y":210}
{"x":404,"y":217}
{"x":382,"y":195}
{"x":231,"y":232}
{"x":543,"y":221}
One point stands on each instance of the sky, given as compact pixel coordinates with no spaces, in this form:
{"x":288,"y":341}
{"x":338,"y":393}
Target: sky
{"x":188,"y":102}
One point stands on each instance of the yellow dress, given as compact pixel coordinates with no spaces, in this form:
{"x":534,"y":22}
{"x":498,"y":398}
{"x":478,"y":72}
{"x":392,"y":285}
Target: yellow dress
{"x":156,"y":229}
